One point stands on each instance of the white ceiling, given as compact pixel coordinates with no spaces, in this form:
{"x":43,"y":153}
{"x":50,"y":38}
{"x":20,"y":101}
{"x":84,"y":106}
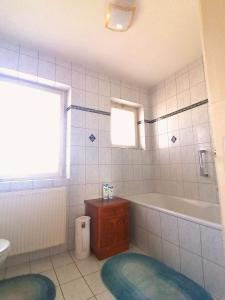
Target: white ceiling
{"x":165,"y":35}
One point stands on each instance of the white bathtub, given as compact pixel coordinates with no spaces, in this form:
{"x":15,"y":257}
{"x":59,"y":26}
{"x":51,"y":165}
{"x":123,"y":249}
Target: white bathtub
{"x":201,"y":212}
{"x":184,"y":234}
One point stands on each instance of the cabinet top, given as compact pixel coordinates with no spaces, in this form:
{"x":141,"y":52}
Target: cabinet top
{"x":100,"y":202}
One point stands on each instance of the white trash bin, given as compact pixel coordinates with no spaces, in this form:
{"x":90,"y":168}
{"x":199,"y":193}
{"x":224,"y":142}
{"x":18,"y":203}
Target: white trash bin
{"x":82,"y":237}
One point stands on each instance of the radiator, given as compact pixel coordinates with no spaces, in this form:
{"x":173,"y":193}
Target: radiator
{"x":34,"y":219}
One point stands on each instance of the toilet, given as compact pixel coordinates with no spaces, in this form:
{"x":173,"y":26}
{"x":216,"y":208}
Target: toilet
{"x":4,"y":250}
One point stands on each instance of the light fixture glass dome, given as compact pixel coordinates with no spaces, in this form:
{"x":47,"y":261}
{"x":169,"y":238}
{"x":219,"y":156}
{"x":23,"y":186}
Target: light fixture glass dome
{"x":119,"y":17}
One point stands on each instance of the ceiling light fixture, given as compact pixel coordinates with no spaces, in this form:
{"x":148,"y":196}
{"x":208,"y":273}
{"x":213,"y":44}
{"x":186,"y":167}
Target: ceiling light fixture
{"x":119,"y":17}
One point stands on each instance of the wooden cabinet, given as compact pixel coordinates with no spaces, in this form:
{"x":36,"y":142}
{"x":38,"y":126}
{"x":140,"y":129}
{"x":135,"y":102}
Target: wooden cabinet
{"x":109,"y":226}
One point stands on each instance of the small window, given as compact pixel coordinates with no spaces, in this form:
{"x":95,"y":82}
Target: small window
{"x":31,"y":130}
{"x":123,"y":125}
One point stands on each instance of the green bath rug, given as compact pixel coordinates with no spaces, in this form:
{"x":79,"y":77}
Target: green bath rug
{"x":132,"y":276}
{"x":27,"y":287}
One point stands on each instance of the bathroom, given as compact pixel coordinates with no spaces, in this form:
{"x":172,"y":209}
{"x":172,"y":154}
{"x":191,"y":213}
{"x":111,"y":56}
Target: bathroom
{"x":147,"y":118}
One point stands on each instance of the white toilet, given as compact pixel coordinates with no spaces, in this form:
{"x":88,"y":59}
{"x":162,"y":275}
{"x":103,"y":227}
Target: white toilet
{"x":4,"y":250}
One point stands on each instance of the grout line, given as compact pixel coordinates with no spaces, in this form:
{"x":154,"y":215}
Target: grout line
{"x":57,"y":277}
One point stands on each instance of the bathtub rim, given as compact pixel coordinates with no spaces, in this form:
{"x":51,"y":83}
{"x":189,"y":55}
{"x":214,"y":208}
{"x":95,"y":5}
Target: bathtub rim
{"x":180,"y":215}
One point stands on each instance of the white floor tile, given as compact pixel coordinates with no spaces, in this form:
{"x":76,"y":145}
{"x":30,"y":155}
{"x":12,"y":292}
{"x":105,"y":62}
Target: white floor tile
{"x":52,"y":276}
{"x":61,"y":259}
{"x":67,"y":273}
{"x":88,"y":265}
{"x":105,"y":296}
{"x":18,"y":270}
{"x":41,"y":265}
{"x":76,"y":290}
{"x":95,"y":283}
{"x":59,"y":295}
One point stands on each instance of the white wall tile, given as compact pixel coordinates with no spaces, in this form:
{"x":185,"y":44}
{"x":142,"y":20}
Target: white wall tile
{"x":214,"y":279}
{"x":91,"y":84}
{"x":186,"y":137}
{"x":117,"y":174}
{"x":191,"y":266}
{"x":92,"y":174}
{"x":77,"y":97}
{"x":91,"y":121}
{"x":104,"y":139}
{"x":184,"y":119}
{"x":104,"y":103}
{"x":170,"y":88}
{"x":9,"y":59}
{"x":63,"y":75}
{"x":171,"y":255}
{"x":182,"y":82}
{"x":46,"y":70}
{"x":77,"y":118}
{"x":77,"y":155}
{"x":104,"y":88}
{"x":212,"y":245}
{"x":78,"y":174}
{"x":153,"y":223}
{"x":115,"y":90}
{"x":189,"y":234}
{"x":198,"y":92}
{"x":208,"y":192}
{"x":105,"y":173}
{"x":91,"y":100}
{"x":77,"y":136}
{"x":154,"y":246}
{"x":104,"y":156}
{"x":169,"y":228}
{"x":92,"y":191}
{"x":171,"y":104}
{"x":91,"y":154}
{"x":191,"y":190}
{"x":196,"y":75}
{"x":104,"y":122}
{"x":183,"y":99}
{"x":78,"y":80}
{"x":28,"y":64}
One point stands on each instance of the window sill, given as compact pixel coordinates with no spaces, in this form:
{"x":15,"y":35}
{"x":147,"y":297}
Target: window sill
{"x":20,"y":185}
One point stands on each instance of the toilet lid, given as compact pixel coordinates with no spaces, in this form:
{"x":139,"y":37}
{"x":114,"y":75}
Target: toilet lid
{"x":4,"y":245}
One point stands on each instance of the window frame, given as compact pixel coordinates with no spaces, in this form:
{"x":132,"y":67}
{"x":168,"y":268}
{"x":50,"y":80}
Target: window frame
{"x":63,"y":121}
{"x":130,"y":108}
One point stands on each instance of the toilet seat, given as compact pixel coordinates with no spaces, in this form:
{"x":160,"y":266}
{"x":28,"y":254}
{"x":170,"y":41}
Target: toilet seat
{"x":4,"y":246}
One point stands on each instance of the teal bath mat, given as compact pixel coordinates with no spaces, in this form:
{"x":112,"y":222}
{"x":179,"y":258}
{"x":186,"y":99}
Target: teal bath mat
{"x":27,"y":287}
{"x":132,"y":276}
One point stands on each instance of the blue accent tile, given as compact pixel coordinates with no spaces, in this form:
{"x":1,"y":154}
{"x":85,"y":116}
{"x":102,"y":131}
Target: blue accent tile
{"x":92,"y":138}
{"x":173,"y":139}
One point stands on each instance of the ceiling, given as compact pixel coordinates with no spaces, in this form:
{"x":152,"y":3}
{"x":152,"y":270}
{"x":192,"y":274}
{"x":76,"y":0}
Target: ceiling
{"x":164,"y":37}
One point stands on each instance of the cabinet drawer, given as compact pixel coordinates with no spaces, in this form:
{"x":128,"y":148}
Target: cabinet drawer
{"x":114,"y":211}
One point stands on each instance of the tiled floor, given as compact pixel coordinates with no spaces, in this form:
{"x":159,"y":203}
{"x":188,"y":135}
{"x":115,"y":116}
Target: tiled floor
{"x":74,"y":279}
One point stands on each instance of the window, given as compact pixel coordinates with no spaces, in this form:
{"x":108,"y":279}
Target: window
{"x":123,"y":125}
{"x":31,"y":130}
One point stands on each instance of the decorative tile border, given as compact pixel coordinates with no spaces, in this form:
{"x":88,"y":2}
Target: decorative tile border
{"x":102,"y":112}
{"x":96,"y":111}
{"x":176,"y":112}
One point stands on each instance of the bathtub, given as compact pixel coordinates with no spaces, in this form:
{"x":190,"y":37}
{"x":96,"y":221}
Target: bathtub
{"x":184,"y":234}
{"x":205,"y":213}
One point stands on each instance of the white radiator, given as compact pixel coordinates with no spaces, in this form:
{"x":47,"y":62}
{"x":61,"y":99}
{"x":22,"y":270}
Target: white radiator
{"x":34,"y":219}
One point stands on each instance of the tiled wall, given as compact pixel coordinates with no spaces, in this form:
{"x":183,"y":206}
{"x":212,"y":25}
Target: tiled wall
{"x":175,"y":167}
{"x":188,"y":247}
{"x":163,"y":167}
{"x":92,"y":163}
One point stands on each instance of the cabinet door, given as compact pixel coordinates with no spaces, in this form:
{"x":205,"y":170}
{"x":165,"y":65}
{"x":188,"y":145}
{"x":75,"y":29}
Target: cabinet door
{"x":122,"y":229}
{"x":114,"y":231}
